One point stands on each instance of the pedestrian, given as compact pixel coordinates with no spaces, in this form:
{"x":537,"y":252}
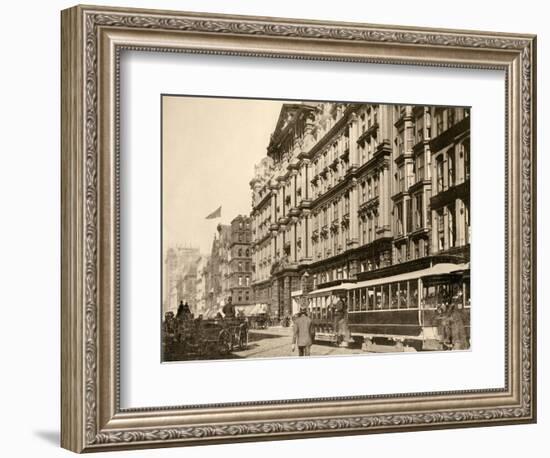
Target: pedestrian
{"x":181,"y":311}
{"x":441,"y":321}
{"x":457,"y":329}
{"x":340,"y":322}
{"x":303,"y":333}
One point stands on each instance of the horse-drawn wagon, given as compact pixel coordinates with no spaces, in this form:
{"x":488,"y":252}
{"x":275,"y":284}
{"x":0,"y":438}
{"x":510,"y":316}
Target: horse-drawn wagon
{"x":208,"y":338}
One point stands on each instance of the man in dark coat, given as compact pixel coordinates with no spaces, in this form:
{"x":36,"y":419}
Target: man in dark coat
{"x":229,"y":309}
{"x":181,"y":311}
{"x":303,"y":333}
{"x":457,"y":329}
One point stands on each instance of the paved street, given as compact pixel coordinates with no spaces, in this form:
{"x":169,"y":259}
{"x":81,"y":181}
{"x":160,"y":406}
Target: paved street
{"x":277,"y":341}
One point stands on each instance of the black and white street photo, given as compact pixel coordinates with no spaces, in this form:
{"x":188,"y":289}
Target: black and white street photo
{"x":313,"y":228}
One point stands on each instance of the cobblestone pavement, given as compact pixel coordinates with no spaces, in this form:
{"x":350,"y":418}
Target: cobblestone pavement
{"x":277,"y":342}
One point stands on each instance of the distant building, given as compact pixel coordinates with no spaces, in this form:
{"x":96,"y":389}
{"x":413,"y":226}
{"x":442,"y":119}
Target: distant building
{"x":240,"y":263}
{"x":180,"y":277}
{"x":215,"y":280}
{"x":201,"y":285}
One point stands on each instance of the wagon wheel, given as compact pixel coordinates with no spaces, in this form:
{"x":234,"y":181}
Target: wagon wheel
{"x":224,"y":343}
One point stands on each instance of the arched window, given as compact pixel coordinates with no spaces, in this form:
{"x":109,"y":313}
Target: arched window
{"x":247,"y":252}
{"x":240,"y":252}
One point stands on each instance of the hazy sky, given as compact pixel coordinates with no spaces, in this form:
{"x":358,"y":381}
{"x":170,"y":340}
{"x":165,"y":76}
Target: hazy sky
{"x":210,"y":146}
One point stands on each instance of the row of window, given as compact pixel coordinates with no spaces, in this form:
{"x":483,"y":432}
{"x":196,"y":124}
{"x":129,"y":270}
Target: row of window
{"x":244,"y":266}
{"x":243,"y":281}
{"x":447,"y":234}
{"x":452,"y":167}
{"x":242,"y":252}
{"x":399,"y":295}
{"x":412,"y":249}
{"x":414,"y":214}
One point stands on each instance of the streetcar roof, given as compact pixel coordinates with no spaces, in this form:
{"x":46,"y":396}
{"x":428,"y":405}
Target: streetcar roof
{"x":437,"y":269}
{"x":332,"y":289}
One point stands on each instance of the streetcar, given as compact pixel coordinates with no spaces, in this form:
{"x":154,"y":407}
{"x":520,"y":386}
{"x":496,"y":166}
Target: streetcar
{"x":401,"y":311}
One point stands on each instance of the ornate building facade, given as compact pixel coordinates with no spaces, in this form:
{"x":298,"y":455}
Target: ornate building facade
{"x":240,"y":263}
{"x":348,"y":188}
{"x":227,"y":272}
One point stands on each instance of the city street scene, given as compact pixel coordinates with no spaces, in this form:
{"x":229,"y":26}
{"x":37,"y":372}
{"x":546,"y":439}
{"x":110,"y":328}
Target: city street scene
{"x":313,"y":228}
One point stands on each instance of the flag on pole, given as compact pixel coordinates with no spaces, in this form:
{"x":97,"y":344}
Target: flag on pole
{"x":215,"y":214}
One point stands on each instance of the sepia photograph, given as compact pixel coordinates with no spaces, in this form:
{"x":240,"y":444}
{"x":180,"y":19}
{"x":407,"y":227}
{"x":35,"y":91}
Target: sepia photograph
{"x":295,"y":228}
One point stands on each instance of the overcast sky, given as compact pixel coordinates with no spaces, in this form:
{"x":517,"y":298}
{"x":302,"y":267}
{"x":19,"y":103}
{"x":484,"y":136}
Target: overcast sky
{"x":210,"y":146}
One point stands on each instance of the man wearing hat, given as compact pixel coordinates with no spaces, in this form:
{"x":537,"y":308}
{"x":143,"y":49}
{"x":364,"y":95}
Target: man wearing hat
{"x":229,"y":309}
{"x":303,"y":333}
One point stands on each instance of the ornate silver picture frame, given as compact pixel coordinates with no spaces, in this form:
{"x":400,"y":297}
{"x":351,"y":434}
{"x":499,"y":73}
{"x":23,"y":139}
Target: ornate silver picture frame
{"x":93,"y":39}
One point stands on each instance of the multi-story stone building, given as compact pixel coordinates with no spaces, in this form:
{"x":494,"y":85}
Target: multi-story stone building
{"x":348,"y":188}
{"x":240,"y":263}
{"x":228,"y":270}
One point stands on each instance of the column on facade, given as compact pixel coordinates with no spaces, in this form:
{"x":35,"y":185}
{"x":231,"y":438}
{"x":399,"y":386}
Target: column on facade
{"x":404,"y":214}
{"x":433,"y":232}
{"x":300,"y":184}
{"x":306,"y":239}
{"x":306,"y":176}
{"x":273,"y":204}
{"x":296,"y":186}
{"x":273,"y":246}
{"x":460,"y":223}
{"x":280,"y":246}
{"x":353,"y":135}
{"x":382,"y":203}
{"x":445,"y":170}
{"x":340,"y":232}
{"x":282,"y":198}
{"x":353,"y":213}
{"x":303,"y":235}
{"x":292,"y":233}
{"x":460,"y":175}
{"x":385,"y":195}
{"x":445,"y":228}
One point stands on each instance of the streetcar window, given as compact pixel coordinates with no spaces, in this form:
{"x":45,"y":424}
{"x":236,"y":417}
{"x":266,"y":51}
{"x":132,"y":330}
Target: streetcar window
{"x":430,"y":297}
{"x":385,"y":297}
{"x":378,"y":296}
{"x":363,"y":299}
{"x":413,"y":293}
{"x":405,"y":301}
{"x":394,"y":295}
{"x":370,"y":298}
{"x":318,"y":307}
